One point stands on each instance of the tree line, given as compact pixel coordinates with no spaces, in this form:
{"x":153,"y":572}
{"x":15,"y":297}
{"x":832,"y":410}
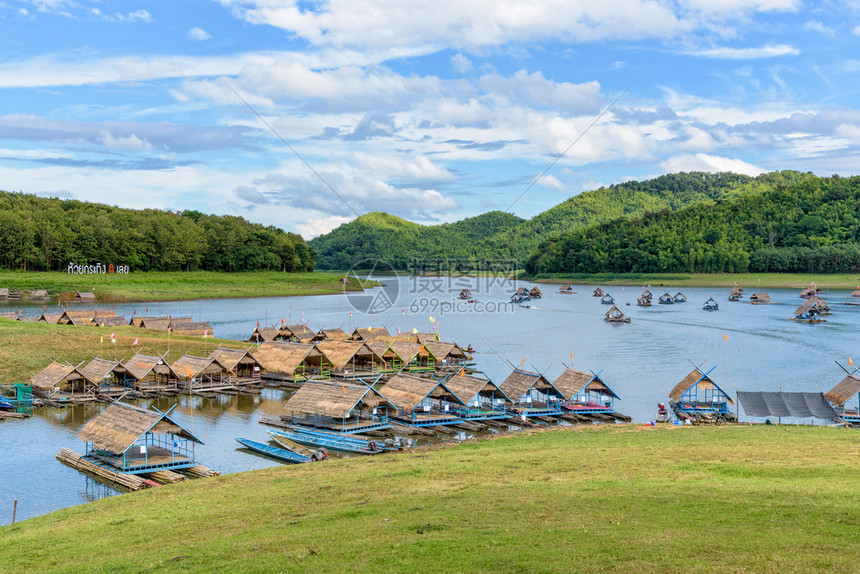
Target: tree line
{"x":48,"y":234}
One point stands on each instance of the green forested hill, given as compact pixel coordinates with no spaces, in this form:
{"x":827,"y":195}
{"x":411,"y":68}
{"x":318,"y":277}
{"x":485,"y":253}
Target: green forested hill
{"x":47,"y":234}
{"x":811,"y":225}
{"x":496,"y":235}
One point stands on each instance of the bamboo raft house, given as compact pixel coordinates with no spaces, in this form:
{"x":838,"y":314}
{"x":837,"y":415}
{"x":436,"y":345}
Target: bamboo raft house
{"x":39,"y":294}
{"x":246,"y":369}
{"x":614,"y":315}
{"x":389,"y":357}
{"x":446,"y":355}
{"x":532,"y":394}
{"x":535,"y":293}
{"x":666,"y":299}
{"x":587,"y":394}
{"x":264,"y":335}
{"x":50,"y":318}
{"x":810,"y":291}
{"x":598,"y":292}
{"x":643,"y":301}
{"x":336,"y":334}
{"x":607,"y":300}
{"x":294,"y":363}
{"x":823,"y":307}
{"x":566,"y":290}
{"x":138,"y":320}
{"x":760,"y":299}
{"x":85,"y":297}
{"x":202,"y":373}
{"x":680,"y":297}
{"x":351,"y":359}
{"x":483,"y":399}
{"x":856,"y":292}
{"x":841,"y":394}
{"x":736,"y":293}
{"x":4,"y":292}
{"x":341,"y":407}
{"x":129,"y":440}
{"x":296,"y":333}
{"x":809,"y":312}
{"x":108,"y":378}
{"x":422,"y":402}
{"x":711,"y":305}
{"x":84,"y":316}
{"x":118,"y":321}
{"x":411,"y":357}
{"x":28,"y":318}
{"x":152,"y":374}
{"x":61,"y":382}
{"x":187,"y":328}
{"x":370,"y":334}
{"x":465,"y":294}
{"x":697,"y":394}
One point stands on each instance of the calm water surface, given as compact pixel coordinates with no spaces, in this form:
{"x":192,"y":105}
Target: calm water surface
{"x":641,"y":361}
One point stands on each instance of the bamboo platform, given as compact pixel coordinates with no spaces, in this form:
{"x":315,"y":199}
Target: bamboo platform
{"x":11,"y":415}
{"x":77,"y":461}
{"x":166,"y":477}
{"x":200,"y":471}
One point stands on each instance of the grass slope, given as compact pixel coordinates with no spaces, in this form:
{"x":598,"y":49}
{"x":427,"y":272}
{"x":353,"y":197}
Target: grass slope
{"x":180,"y":285}
{"x":700,"y":499}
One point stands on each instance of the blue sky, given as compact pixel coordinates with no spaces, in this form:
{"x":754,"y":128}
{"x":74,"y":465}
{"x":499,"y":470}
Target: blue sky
{"x":433,"y":111}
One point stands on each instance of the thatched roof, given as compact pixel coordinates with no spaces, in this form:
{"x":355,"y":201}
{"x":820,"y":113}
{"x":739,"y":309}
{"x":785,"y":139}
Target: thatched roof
{"x":519,"y":382}
{"x":336,"y":334}
{"x":340,"y":353}
{"x":369,"y":334}
{"x":407,"y":351}
{"x":737,"y":290}
{"x":704,"y":383}
{"x":382,"y":349}
{"x":298,"y":331}
{"x":54,"y":374}
{"x":189,"y":366}
{"x":111,"y":321}
{"x":141,"y":365}
{"x":192,"y":327}
{"x":614,"y":313}
{"x":333,"y":399}
{"x":571,"y":382}
{"x":598,"y":292}
{"x":50,"y":318}
{"x":425,"y":338}
{"x":117,"y":427}
{"x":39,"y":294}
{"x":855,"y":293}
{"x":99,"y":369}
{"x":154,"y":323}
{"x":231,"y":358}
{"x":8,"y":315}
{"x":847,"y":388}
{"x":28,"y":318}
{"x":263,"y":334}
{"x":78,"y":321}
{"x":467,"y":387}
{"x":85,"y":296}
{"x":284,"y":356}
{"x":444,"y":350}
{"x":760,"y":297}
{"x":406,"y":391}
{"x":137,"y":320}
{"x":807,"y":305}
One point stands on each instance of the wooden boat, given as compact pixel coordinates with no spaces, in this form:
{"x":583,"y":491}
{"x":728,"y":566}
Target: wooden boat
{"x":6,"y":405}
{"x":711,"y":305}
{"x":322,"y":439}
{"x":662,"y":413}
{"x":273,"y":451}
{"x":292,"y":446}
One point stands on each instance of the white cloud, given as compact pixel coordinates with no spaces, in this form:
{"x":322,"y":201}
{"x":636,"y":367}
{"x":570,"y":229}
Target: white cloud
{"x":769,"y":51}
{"x":820,"y":27}
{"x":461,"y":63}
{"x":321,"y":225}
{"x":856,"y":30}
{"x":131,"y":142}
{"x":709,"y":163}
{"x":198,"y":34}
{"x":136,"y":16}
{"x":552,"y":182}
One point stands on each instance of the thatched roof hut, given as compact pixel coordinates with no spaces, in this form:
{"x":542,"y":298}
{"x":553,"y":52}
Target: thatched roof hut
{"x":39,"y":294}
{"x":407,"y":392}
{"x":535,"y":293}
{"x":521,"y":382}
{"x":297,"y":333}
{"x":335,"y":400}
{"x":138,"y":320}
{"x":50,"y":318}
{"x":336,"y":334}
{"x":154,"y":323}
{"x":565,"y":289}
{"x":8,"y":315}
{"x":697,"y":380}
{"x":470,"y":388}
{"x":350,"y":355}
{"x":85,"y":296}
{"x":189,"y":367}
{"x":465,"y":294}
{"x":239,"y":361}
{"x":614,"y":315}
{"x":451,"y":353}
{"x":598,"y":292}
{"x":111,"y":321}
{"x":408,"y":352}
{"x":28,"y":318}
{"x":60,"y":376}
{"x":192,"y":328}
{"x":843,"y":391}
{"x":150,"y":368}
{"x":370,"y":334}
{"x":106,"y":372}
{"x":289,"y":358}
{"x":572,"y":382}
{"x":263,"y":335}
{"x":84,"y":316}
{"x":856,"y":293}
{"x":760,"y":298}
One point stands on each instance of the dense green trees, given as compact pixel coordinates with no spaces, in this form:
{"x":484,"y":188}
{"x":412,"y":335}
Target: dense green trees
{"x":799,"y":224}
{"x":48,"y":234}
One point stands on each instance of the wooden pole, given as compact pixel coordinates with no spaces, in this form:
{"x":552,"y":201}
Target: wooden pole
{"x":14,"y":511}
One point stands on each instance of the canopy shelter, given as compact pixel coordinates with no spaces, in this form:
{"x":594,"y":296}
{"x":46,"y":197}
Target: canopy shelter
{"x":585,"y":392}
{"x":109,"y":377}
{"x":532,"y":394}
{"x":338,"y":406}
{"x":61,"y":380}
{"x":369,"y":334}
{"x":422,"y":402}
{"x":465,"y":294}
{"x":784,"y":404}
{"x":482,"y":397}
{"x":615,"y":315}
{"x":840,"y":397}
{"x":647,"y":294}
{"x":337,"y":334}
{"x":565,"y":289}
{"x":240,"y":362}
{"x":598,"y":292}
{"x":697,"y":394}
{"x":135,"y":440}
{"x":39,"y":294}
{"x":288,"y":361}
{"x":296,"y":333}
{"x":263,"y":335}
{"x":151,"y":373}
{"x":760,"y":298}
{"x":202,"y":373}
{"x":680,"y":297}
{"x":350,"y":358}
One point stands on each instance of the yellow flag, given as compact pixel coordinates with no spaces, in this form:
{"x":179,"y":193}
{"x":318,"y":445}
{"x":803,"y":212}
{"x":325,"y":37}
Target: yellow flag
{"x":102,"y":340}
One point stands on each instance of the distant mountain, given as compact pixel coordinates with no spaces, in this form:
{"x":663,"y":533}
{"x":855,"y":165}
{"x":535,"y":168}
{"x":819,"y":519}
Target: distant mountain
{"x":786,"y":222}
{"x":498,"y":235}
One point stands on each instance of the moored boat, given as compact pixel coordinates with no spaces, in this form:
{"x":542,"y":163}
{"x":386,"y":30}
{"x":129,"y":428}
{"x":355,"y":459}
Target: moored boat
{"x":277,"y":453}
{"x":662,"y":413}
{"x":328,"y":440}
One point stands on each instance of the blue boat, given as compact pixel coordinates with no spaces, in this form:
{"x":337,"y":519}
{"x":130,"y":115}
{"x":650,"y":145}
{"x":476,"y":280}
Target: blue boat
{"x":6,"y":405}
{"x":328,"y":440}
{"x":278,"y":453}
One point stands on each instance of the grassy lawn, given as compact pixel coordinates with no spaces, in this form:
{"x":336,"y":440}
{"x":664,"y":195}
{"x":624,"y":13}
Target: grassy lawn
{"x":157,"y":286}
{"x":749,"y":281}
{"x":693,"y":499}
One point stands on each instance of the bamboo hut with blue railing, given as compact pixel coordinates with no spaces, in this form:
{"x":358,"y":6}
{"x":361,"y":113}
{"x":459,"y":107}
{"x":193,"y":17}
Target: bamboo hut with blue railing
{"x":202,"y":373}
{"x":532,"y":394}
{"x":341,"y":407}
{"x":482,"y":397}
{"x":607,"y":299}
{"x":666,"y":299}
{"x":845,"y":398}
{"x":109,"y":378}
{"x":62,"y":381}
{"x":151,"y":374}
{"x":245,"y":368}
{"x":351,"y":359}
{"x":422,"y":402}
{"x":292,"y":363}
{"x":585,"y":393}
{"x":697,"y":394}
{"x":809,"y":312}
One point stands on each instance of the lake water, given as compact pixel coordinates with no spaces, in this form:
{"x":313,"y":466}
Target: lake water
{"x":641,"y":361}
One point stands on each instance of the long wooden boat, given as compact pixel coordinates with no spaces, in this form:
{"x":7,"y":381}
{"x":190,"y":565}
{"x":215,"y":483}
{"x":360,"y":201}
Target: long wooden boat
{"x":273,"y":451}
{"x":356,"y":438}
{"x":339,"y":443}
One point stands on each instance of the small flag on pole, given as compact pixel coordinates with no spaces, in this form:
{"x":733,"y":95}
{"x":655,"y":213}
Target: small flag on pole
{"x":725,"y":337}
{"x":135,"y":343}
{"x":571,"y":355}
{"x":850,"y":362}
{"x":205,"y":332}
{"x":101,"y":339}
{"x":113,"y":338}
{"x":524,"y":359}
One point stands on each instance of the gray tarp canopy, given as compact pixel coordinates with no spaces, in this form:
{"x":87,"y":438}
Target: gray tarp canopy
{"x":798,"y":405}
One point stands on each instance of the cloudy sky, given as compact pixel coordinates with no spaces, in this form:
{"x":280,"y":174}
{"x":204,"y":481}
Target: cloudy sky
{"x":302,"y":114}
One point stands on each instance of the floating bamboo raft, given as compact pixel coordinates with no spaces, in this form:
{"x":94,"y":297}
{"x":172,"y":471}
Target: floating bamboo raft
{"x":200,"y":471}
{"x":11,"y":415}
{"x":166,"y":477}
{"x":77,"y":461}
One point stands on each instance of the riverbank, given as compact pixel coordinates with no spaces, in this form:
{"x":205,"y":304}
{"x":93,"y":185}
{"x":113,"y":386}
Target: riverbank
{"x":749,"y":281}
{"x":179,"y":286}
{"x":685,"y":499}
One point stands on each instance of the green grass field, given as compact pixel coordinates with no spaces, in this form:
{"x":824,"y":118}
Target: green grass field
{"x":693,"y":499}
{"x":749,"y":281}
{"x":173,"y":286}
